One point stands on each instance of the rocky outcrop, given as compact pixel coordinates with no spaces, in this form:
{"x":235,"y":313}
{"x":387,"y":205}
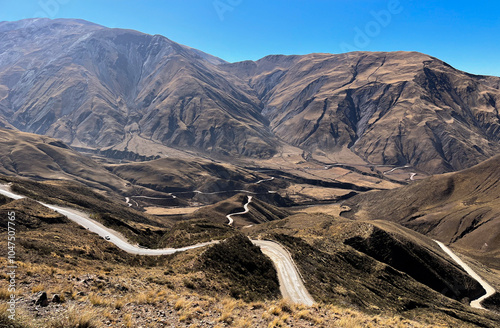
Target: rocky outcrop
{"x":42,"y":299}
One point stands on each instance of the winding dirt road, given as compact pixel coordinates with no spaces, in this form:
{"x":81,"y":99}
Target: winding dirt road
{"x":487,"y":287}
{"x":264,"y":180}
{"x":396,"y":168}
{"x":128,"y":199}
{"x":291,"y":285}
{"x":116,"y":238}
{"x":229,"y":216}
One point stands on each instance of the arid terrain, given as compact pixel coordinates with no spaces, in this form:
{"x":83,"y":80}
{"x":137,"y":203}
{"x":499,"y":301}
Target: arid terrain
{"x":131,"y":95}
{"x":460,"y":208}
{"x":147,"y":178}
{"x":100,"y":285}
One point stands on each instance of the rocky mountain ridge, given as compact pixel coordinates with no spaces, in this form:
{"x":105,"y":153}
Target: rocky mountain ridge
{"x":124,"y":91}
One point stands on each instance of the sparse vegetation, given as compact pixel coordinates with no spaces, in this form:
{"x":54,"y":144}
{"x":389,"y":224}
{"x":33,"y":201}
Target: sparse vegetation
{"x":184,"y":308}
{"x":461,"y":201}
{"x":136,"y":226}
{"x":76,"y":318}
{"x":249,"y":274}
{"x":336,"y":273}
{"x":229,"y":284}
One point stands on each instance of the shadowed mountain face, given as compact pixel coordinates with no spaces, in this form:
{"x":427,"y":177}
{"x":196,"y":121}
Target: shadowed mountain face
{"x":96,"y":87}
{"x":92,"y":86}
{"x":392,"y":108}
{"x":461,"y":208}
{"x":373,"y":265}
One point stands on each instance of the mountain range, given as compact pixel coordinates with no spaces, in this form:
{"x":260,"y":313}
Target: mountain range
{"x":357,"y":167}
{"x":123,"y":91}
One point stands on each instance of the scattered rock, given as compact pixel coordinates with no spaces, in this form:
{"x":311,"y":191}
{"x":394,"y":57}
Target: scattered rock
{"x":56,"y":299}
{"x":42,"y":299}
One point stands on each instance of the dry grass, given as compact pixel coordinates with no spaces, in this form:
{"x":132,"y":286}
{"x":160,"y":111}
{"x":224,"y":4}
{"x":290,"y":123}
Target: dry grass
{"x":301,"y":192}
{"x":275,"y":310}
{"x":38,"y":288}
{"x":99,"y":306}
{"x":351,"y":321}
{"x":180,"y":304}
{"x":75,"y":317}
{"x":154,"y":210}
{"x":230,"y":304}
{"x":190,"y":308}
{"x":226,"y":317}
{"x":303,"y":314}
{"x":243,"y":322}
{"x":128,"y":321}
{"x":276,"y":322}
{"x":256,"y":305}
{"x":97,"y":300}
{"x":231,"y":309}
{"x":119,"y":303}
{"x":444,"y":200}
{"x":4,"y":293}
{"x":285,"y":306}
{"x":102,"y":301}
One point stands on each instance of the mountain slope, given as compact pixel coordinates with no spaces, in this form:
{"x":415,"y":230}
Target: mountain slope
{"x":392,"y":108}
{"x":259,"y":211}
{"x":376,"y":266}
{"x":43,"y":158}
{"x":461,"y":208}
{"x":125,"y":91}
{"x":180,"y":290}
{"x":97,"y":87}
{"x":178,"y":175}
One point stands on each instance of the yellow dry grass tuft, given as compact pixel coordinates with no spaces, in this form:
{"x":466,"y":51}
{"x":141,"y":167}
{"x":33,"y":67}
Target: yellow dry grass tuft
{"x":351,"y":321}
{"x":119,"y":303}
{"x":226,"y":317}
{"x":303,"y":314}
{"x":77,"y":318}
{"x":277,"y":322}
{"x":275,"y":310}
{"x":98,"y":300}
{"x":128,"y":321}
{"x":180,"y":304}
{"x":37,"y":288}
{"x":4,"y":293}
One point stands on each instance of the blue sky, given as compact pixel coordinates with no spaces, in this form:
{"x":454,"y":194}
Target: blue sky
{"x":463,"y":33}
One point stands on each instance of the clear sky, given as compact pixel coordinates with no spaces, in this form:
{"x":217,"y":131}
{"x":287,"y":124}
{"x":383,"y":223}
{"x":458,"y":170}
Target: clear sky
{"x":463,"y":33}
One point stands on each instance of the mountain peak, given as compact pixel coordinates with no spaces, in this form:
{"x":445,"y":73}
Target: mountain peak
{"x":99,"y":87}
{"x":43,"y":22}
